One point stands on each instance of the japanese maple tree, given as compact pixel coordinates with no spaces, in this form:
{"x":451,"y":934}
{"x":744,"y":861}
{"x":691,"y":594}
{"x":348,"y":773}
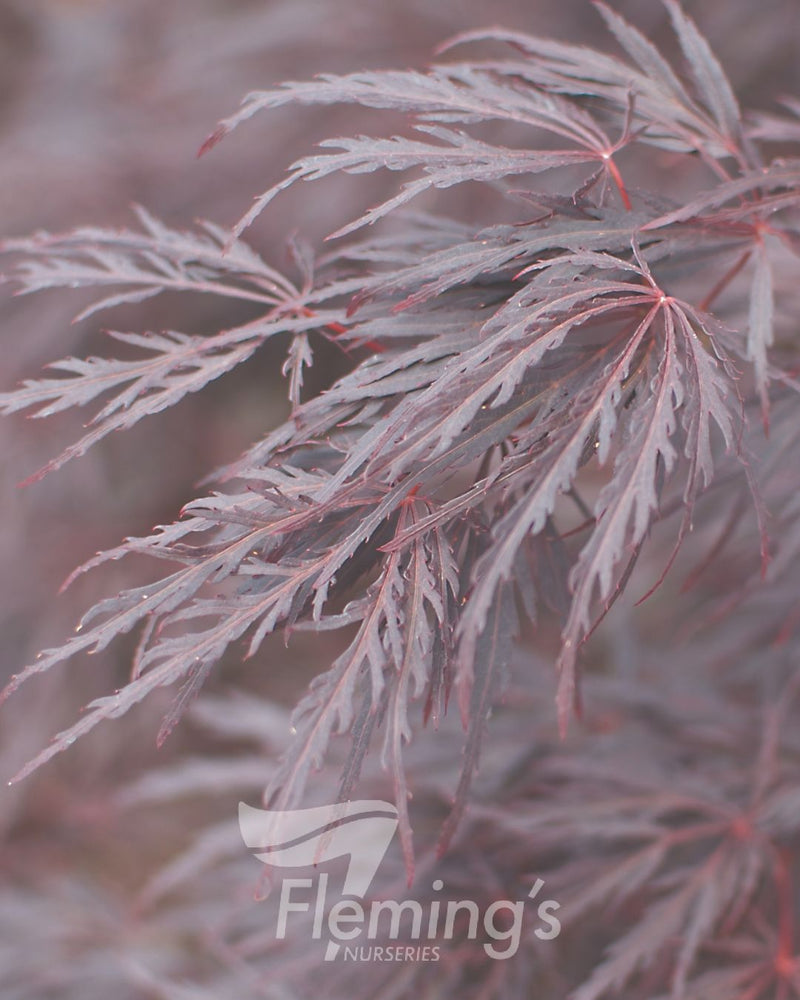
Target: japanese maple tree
{"x":588,"y":396}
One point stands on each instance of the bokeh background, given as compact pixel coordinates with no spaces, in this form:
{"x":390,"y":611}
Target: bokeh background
{"x":104,"y":103}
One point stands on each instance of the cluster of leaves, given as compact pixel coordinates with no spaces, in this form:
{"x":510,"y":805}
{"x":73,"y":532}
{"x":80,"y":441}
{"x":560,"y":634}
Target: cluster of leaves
{"x":672,"y":864}
{"x":527,"y":403}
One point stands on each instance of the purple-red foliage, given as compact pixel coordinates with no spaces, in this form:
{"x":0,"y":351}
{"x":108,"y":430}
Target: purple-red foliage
{"x":589,"y":395}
